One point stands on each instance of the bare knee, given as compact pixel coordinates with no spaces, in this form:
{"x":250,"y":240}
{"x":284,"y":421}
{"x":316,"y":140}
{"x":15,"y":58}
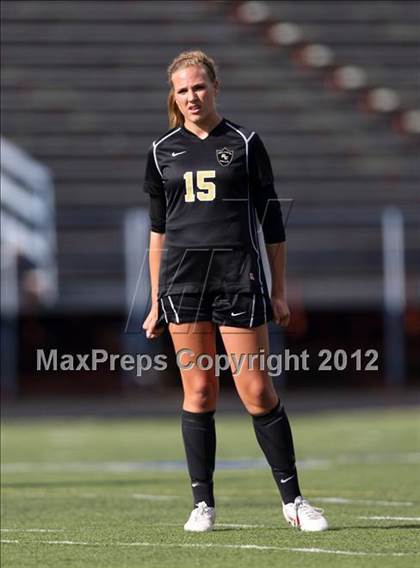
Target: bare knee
{"x":200,"y":395}
{"x":259,"y":397}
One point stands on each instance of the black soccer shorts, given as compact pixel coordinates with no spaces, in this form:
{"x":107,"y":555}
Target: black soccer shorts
{"x":244,"y":309}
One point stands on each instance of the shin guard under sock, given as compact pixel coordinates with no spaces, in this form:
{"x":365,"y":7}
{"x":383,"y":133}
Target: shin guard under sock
{"x":199,"y":435}
{"x":275,"y":439}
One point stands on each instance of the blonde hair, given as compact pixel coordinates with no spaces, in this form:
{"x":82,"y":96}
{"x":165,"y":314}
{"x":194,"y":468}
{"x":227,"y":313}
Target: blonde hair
{"x":186,"y":59}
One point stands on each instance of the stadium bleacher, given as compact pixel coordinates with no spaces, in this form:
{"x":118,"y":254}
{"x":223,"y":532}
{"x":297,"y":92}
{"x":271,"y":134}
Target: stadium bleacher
{"x":84,"y":91}
{"x":382,"y":37}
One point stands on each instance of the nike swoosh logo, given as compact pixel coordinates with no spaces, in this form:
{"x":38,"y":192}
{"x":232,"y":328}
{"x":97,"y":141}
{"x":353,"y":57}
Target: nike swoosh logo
{"x":287,"y":479}
{"x":174,"y":154}
{"x":195,"y":484}
{"x":237,"y":313}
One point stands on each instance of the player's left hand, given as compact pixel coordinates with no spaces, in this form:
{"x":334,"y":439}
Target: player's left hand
{"x":281,"y":310}
{"x":149,"y":324}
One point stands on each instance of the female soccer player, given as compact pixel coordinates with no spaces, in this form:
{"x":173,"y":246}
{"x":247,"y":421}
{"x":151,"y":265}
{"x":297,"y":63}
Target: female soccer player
{"x":208,"y":179}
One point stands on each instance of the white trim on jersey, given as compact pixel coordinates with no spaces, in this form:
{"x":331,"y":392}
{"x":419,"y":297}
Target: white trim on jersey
{"x":156,"y":144}
{"x":265,"y":309}
{"x":251,"y":135}
{"x":164,"y":311}
{"x":254,"y":243}
{"x":174,"y":310}
{"x":251,"y":321}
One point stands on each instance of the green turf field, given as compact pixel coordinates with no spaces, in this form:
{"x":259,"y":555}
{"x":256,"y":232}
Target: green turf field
{"x":93,"y":493}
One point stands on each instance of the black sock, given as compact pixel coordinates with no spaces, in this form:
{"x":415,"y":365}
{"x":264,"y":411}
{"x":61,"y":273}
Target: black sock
{"x":199,"y":435}
{"x":275,"y":438}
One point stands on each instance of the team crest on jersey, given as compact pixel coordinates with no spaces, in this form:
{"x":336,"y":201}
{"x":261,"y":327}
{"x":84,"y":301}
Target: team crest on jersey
{"x":224,"y":157}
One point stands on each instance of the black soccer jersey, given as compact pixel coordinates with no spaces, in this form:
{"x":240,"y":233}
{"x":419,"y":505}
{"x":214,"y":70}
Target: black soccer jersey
{"x":204,"y":194}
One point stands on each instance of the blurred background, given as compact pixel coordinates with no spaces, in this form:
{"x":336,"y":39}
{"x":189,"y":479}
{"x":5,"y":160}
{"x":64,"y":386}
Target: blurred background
{"x":332,"y":89}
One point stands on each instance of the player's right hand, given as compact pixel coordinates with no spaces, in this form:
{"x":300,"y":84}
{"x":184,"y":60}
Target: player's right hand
{"x":149,"y":324}
{"x":280,"y":310}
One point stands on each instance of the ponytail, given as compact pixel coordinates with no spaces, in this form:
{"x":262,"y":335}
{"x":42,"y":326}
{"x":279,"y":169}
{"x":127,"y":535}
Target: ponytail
{"x":175,"y":116}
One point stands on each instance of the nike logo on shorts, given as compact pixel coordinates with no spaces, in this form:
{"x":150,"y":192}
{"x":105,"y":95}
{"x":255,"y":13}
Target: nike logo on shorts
{"x":174,"y":154}
{"x":237,"y":313}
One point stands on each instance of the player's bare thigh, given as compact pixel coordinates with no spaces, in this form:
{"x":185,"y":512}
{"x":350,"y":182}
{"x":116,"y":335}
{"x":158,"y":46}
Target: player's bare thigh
{"x":201,"y":387}
{"x":253,"y":383}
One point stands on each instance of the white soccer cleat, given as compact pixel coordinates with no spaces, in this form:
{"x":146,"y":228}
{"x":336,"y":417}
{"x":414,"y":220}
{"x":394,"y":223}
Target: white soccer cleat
{"x":202,"y":518}
{"x":302,"y":515}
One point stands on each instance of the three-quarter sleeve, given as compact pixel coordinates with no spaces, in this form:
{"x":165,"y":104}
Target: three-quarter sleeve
{"x":153,"y":186}
{"x":263,"y":194}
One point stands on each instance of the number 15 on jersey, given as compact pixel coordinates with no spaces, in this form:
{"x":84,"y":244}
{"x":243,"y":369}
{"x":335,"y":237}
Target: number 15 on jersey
{"x":205,"y":189}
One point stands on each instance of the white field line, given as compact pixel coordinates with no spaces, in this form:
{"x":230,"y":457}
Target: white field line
{"x":84,"y":495}
{"x":328,"y":500}
{"x":240,"y":526}
{"x":71,"y":542}
{"x":216,"y":526}
{"x":389,"y":518}
{"x":179,"y":465}
{"x":332,"y":500}
{"x":345,"y":501}
{"x":223,"y":546}
{"x":150,"y":497}
{"x":32,"y":530}
{"x":223,"y":525}
{"x":377,"y":458}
